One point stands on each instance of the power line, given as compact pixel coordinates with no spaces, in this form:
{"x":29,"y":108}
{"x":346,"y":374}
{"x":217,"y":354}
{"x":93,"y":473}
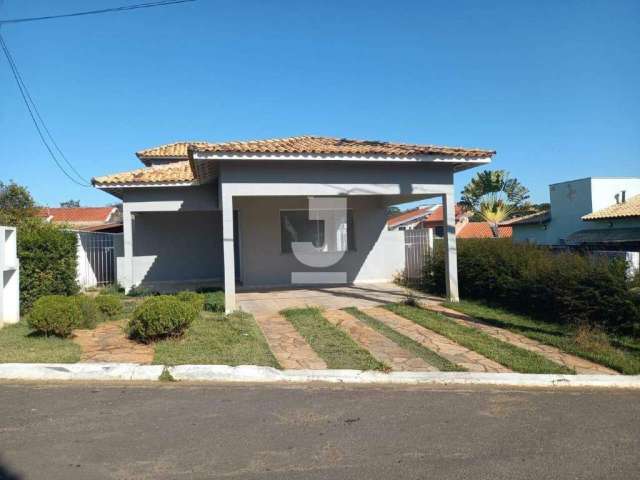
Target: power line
{"x":24,"y":93}
{"x":161,"y":3}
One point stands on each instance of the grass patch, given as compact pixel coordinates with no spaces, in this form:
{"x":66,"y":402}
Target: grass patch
{"x":20,"y":344}
{"x":510,"y":356}
{"x":429,"y":356}
{"x":619,"y":353}
{"x":334,"y":346}
{"x":214,"y":339}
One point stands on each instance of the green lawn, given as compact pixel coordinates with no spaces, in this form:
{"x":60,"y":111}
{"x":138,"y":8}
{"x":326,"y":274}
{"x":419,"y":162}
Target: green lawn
{"x":217,"y":340}
{"x":429,"y":356}
{"x":334,"y":346}
{"x":510,"y":356}
{"x":18,"y":344}
{"x":619,"y":353}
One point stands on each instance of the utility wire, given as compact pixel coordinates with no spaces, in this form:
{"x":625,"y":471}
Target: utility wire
{"x":161,"y":3}
{"x":25,"y":97}
{"x":37,"y":112}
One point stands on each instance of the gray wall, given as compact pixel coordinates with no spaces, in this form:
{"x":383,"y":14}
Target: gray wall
{"x":177,"y":247}
{"x":379,"y":253}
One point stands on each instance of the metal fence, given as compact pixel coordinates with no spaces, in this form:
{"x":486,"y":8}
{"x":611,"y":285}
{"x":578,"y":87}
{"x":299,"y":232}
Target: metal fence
{"x":96,"y":258}
{"x":417,"y":245}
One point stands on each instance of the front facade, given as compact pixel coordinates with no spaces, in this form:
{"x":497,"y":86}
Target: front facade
{"x":231,"y":214}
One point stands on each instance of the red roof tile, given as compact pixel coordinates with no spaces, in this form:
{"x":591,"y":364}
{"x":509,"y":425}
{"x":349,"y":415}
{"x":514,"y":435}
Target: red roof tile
{"x":81,"y":214}
{"x":483,"y":230}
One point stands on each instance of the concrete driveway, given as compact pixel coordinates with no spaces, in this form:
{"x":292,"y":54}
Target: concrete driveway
{"x":270,"y":301}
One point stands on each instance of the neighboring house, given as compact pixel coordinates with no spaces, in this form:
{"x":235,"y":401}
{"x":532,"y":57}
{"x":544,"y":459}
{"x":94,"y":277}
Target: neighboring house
{"x":200,"y":213}
{"x":105,"y":219}
{"x":482,"y":230}
{"x":570,"y":202}
{"x":411,"y":219}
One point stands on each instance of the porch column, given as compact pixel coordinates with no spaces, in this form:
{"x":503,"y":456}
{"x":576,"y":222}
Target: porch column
{"x":127,"y":239}
{"x":451,"y":255}
{"x":226,"y":205}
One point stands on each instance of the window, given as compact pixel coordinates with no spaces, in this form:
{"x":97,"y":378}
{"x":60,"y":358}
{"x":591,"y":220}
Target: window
{"x":295,"y":226}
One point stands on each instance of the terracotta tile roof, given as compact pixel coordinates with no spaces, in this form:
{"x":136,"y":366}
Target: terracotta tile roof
{"x":170,"y":150}
{"x":413,"y":214}
{"x":483,"y":230}
{"x":628,"y":209}
{"x":534,"y":218}
{"x":79,"y":215}
{"x":326,"y":145}
{"x":437,"y":217}
{"x":177,"y":172}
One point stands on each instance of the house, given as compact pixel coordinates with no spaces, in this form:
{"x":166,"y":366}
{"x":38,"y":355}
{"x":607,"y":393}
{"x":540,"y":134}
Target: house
{"x":104,"y":219}
{"x":411,"y":219}
{"x":432,"y":216}
{"x":572,"y":202}
{"x":279,"y":212}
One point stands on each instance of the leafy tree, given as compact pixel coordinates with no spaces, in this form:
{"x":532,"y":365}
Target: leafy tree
{"x":16,"y":204}
{"x":70,"y":204}
{"x":494,"y":197}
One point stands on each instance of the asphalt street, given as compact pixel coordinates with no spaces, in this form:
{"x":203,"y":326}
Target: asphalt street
{"x":167,"y":431}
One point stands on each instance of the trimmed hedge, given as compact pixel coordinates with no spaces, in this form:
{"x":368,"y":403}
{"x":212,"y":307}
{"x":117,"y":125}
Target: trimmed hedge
{"x":108,"y":305}
{"x":214,"y":301}
{"x":564,"y":287}
{"x":88,"y":310}
{"x":47,"y":262}
{"x":161,"y":316}
{"x":55,"y":315}
{"x":193,"y":298}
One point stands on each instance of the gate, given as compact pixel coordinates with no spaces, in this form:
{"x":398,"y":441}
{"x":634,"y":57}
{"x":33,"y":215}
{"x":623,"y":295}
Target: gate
{"x":96,"y":258}
{"x":417,"y":245}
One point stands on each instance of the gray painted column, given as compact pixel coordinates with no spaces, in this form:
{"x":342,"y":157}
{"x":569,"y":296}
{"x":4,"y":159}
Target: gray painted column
{"x":226,"y":204}
{"x":127,"y":238}
{"x":451,"y":255}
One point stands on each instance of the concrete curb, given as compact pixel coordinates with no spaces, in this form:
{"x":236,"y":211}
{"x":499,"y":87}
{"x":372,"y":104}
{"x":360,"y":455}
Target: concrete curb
{"x":80,"y":371}
{"x":257,"y":374}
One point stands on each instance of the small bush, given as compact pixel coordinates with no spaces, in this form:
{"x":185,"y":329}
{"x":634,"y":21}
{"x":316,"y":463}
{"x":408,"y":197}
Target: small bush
{"x":159,"y":317}
{"x":113,"y":289}
{"x":564,"y":287}
{"x":214,"y":302}
{"x":55,"y":315}
{"x":193,"y":298}
{"x":108,"y":305}
{"x":89,"y":311}
{"x":139,"y":291}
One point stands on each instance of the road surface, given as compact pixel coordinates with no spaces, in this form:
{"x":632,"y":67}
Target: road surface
{"x":167,"y":431}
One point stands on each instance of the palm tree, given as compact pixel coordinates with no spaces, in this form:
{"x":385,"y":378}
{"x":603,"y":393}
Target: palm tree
{"x":494,"y":196}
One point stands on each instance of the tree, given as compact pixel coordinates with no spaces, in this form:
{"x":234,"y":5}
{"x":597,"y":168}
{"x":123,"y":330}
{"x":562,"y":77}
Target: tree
{"x":494,"y":197}
{"x":70,"y":204}
{"x":16,"y":204}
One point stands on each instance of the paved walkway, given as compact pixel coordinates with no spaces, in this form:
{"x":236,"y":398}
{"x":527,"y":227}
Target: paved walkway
{"x":462,"y":356}
{"x":273,"y":300}
{"x":109,"y":343}
{"x":580,"y":365}
{"x":289,"y":347}
{"x":382,"y":348}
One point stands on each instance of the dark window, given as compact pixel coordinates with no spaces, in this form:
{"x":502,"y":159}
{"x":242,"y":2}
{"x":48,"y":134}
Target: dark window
{"x":295,"y":226}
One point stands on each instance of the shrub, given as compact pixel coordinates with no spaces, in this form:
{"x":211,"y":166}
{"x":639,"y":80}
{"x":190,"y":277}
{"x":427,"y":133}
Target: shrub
{"x":193,"y":298}
{"x":565,"y":287}
{"x":47,"y":261}
{"x":108,"y":305}
{"x":161,"y":316}
{"x":113,"y":289}
{"x":88,"y":310}
{"x":55,"y":314}
{"x":214,"y":301}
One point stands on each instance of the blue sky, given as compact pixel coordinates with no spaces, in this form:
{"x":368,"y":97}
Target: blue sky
{"x":552,"y":86}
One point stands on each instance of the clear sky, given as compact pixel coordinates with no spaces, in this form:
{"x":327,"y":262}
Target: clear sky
{"x":553,"y":86}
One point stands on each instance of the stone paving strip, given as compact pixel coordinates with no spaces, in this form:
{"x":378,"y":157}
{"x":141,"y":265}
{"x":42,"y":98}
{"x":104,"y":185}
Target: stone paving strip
{"x":468,"y":359}
{"x":382,"y":349}
{"x":108,"y":342}
{"x":290,"y":349}
{"x":580,"y":365}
